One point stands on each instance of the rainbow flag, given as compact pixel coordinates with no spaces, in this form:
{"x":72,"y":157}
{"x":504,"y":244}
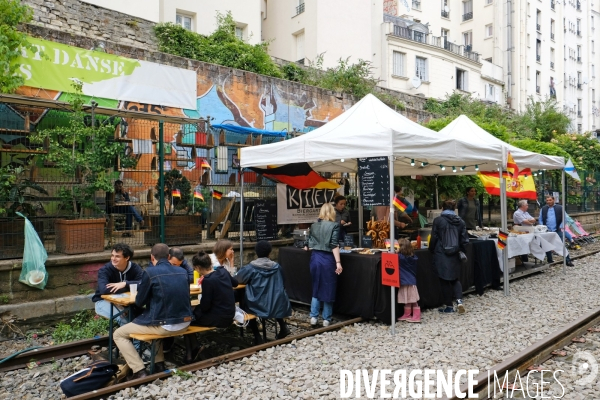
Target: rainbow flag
{"x":217,"y":195}
{"x":176,"y":193}
{"x":400,"y":205}
{"x":198,"y":195}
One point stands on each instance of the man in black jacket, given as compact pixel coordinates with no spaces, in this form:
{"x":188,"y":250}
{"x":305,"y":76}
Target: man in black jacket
{"x":164,"y":293}
{"x":115,"y":277}
{"x":551,"y":215}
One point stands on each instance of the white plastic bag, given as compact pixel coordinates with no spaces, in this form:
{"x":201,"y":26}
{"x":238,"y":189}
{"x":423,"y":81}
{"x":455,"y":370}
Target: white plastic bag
{"x":240,"y":317}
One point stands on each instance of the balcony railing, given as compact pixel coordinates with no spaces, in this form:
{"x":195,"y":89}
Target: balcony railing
{"x":578,"y":59}
{"x":579,"y":6}
{"x":538,"y":58}
{"x":445,"y":14}
{"x":579,"y":114}
{"x":468,"y":16}
{"x":551,"y":64}
{"x":538,"y":27}
{"x":437,"y":41}
{"x":552,"y":4}
{"x":579,"y":86}
{"x":537,"y":89}
{"x":578,"y":33}
{"x":416,"y":5}
{"x":552,"y":36}
{"x":300,"y":9}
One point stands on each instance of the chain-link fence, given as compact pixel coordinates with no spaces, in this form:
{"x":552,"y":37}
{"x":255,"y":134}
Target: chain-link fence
{"x":197,"y":197}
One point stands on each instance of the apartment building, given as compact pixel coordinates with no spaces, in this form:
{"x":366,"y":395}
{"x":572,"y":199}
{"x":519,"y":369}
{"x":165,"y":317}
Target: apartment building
{"x":197,"y":16}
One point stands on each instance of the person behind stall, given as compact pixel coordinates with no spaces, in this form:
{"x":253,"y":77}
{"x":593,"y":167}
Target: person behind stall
{"x":408,"y":293}
{"x":522,"y":218}
{"x":217,"y":302}
{"x":469,"y":210}
{"x":115,"y":277}
{"x":325,"y":263}
{"x":112,"y":207}
{"x":265,"y":295}
{"x":222,"y":255}
{"x":342,"y":215}
{"x":177,"y":258}
{"x":448,"y":266}
{"x":164,"y":293}
{"x":551,"y":215}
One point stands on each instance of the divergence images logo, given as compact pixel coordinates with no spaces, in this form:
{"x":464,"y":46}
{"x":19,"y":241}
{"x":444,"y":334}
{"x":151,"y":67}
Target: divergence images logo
{"x":585,"y":366}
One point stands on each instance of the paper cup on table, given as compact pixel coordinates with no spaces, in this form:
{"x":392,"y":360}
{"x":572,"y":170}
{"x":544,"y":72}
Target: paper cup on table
{"x":132,"y":291}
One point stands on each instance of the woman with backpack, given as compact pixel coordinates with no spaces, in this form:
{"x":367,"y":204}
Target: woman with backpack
{"x":448,"y":239}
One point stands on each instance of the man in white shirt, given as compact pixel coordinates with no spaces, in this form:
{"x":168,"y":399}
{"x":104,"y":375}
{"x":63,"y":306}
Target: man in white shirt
{"x":521,"y":216}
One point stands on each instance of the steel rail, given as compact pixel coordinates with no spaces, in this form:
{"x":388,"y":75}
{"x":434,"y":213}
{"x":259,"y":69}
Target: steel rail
{"x":236,"y":355}
{"x":51,"y":353}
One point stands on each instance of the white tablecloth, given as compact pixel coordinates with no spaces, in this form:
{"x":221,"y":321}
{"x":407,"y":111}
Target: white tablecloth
{"x":536,"y":244}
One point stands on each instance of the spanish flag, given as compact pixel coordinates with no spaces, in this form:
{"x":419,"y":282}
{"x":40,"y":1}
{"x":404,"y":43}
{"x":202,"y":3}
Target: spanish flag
{"x":217,"y":195}
{"x":198,"y":195}
{"x":297,"y":175}
{"x":400,"y":205}
{"x":522,"y":187}
{"x":511,"y":166}
{"x":176,"y":193}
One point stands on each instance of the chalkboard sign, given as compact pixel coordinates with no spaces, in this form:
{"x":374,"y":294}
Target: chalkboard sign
{"x":265,"y":219}
{"x":374,"y":181}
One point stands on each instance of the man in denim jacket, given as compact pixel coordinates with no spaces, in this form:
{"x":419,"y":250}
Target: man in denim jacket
{"x":164,"y":293}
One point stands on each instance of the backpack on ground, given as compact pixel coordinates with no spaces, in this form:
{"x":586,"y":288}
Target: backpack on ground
{"x":94,"y":377}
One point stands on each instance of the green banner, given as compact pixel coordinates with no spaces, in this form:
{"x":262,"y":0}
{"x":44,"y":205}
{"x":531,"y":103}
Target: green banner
{"x":62,"y":64}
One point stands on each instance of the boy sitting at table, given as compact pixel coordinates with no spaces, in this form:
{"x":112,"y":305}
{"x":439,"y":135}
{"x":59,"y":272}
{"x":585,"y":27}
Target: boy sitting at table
{"x":217,"y":301}
{"x":265,"y":295}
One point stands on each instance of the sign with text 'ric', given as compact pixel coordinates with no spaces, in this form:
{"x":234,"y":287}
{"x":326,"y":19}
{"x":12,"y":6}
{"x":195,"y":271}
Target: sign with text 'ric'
{"x":390,"y":269}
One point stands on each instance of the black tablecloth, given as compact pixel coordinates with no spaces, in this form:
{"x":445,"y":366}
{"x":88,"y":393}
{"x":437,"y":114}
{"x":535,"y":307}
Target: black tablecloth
{"x":360,"y":292}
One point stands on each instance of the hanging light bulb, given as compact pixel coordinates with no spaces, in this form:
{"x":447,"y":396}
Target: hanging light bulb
{"x":463,"y":168}
{"x":453,"y":169}
{"x":342,"y":160}
{"x":442,"y":167}
{"x":424,"y":164}
{"x":535,"y":174}
{"x":476,"y":167}
{"x":412,"y":162}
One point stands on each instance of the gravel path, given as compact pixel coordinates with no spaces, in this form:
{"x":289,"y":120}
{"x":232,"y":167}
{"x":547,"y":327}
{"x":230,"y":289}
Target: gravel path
{"x":493,"y":328}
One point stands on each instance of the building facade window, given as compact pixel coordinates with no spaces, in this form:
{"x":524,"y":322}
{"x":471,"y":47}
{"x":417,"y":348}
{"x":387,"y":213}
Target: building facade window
{"x":185,"y":21}
{"x":538,"y":78}
{"x":299,"y":39}
{"x":468,"y":40}
{"x":239,"y":33}
{"x":222,"y":159}
{"x":421,"y":68}
{"x":467,"y":10}
{"x":489,"y":30}
{"x":462,"y":79}
{"x":399,"y":60}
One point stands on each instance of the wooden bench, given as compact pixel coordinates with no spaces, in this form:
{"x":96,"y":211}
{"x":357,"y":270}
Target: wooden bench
{"x":152,"y":339}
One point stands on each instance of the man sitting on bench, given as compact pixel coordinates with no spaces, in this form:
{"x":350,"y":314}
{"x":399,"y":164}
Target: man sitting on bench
{"x":265,"y":295}
{"x":165,"y":294}
{"x":113,"y":207}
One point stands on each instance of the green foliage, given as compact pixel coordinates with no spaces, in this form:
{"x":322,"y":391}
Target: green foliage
{"x":221,"y":47}
{"x":583,"y":149}
{"x":437,"y":124}
{"x":174,"y":180}
{"x":4,"y":299}
{"x":184,"y":375}
{"x":293,"y":72}
{"x":15,"y":192}
{"x":542,"y":120}
{"x":81,"y":152}
{"x":449,"y":187}
{"x":536,"y":146}
{"x":12,"y":14}
{"x":196,"y":205}
{"x":84,"y":325}
{"x":390,"y":100}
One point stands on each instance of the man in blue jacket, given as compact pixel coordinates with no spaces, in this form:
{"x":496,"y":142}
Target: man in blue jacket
{"x":265,"y":295}
{"x":164,"y":293}
{"x":551,"y":215}
{"x":115,"y":277}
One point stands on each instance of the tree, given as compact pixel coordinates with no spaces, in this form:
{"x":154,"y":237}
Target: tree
{"x":12,"y":14}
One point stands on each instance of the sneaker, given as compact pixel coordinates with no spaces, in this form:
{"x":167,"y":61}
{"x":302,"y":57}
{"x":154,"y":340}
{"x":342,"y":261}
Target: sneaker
{"x":446,"y":310}
{"x":460,"y":307}
{"x":313,"y":321}
{"x":325,"y":322}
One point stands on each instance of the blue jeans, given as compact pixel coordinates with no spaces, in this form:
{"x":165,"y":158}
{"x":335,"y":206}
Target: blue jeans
{"x":130,"y":213}
{"x":315,"y":307}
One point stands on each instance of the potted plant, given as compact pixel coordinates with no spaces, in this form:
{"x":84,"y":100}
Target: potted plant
{"x":181,"y":227}
{"x":16,"y":195}
{"x":83,"y":150}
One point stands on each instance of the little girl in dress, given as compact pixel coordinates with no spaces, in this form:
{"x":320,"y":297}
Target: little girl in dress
{"x":408,"y":294}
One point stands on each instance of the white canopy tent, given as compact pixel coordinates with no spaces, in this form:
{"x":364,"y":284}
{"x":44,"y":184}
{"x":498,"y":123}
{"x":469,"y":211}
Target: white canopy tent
{"x":372,"y":129}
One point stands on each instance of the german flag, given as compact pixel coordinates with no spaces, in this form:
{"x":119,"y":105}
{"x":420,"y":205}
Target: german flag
{"x":198,"y":195}
{"x":297,"y":175}
{"x":502,"y":236}
{"x":176,"y":193}
{"x":204,"y":163}
{"x":400,"y":204}
{"x":501,"y":244}
{"x":217,"y":195}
